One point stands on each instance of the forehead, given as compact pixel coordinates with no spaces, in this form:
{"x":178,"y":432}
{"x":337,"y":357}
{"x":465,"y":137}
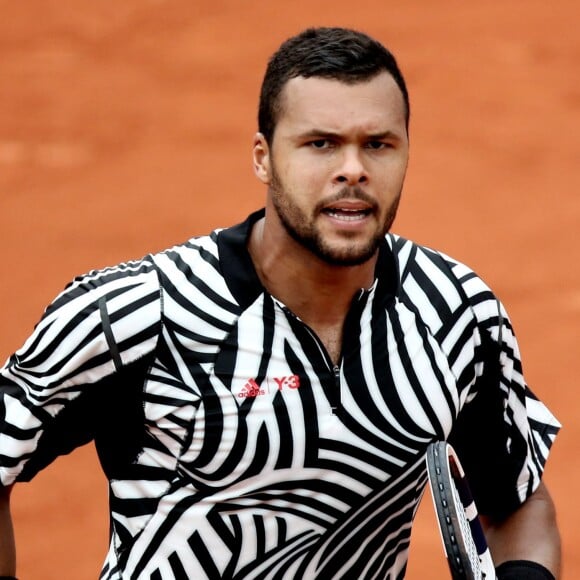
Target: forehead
{"x":334,"y":105}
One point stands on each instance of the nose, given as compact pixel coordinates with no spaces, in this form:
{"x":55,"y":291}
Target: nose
{"x":351,"y":170}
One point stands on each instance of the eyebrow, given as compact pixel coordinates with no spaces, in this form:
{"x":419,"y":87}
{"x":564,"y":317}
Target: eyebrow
{"x":322,"y":133}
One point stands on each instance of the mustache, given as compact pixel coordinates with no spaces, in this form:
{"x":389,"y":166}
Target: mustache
{"x":348,"y":193}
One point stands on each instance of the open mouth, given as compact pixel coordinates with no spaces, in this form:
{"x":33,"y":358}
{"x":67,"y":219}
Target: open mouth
{"x":349,"y":215}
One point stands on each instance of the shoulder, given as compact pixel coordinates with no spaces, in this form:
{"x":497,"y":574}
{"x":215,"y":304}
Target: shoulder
{"x":139,"y":277}
{"x":427,"y":275}
{"x":413,"y":259}
{"x":141,"y":283}
{"x":194,"y":252}
{"x":127,"y":282}
{"x":194,"y":270}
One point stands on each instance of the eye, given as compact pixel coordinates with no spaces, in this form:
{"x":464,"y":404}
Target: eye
{"x":320,"y":143}
{"x":378,"y":145}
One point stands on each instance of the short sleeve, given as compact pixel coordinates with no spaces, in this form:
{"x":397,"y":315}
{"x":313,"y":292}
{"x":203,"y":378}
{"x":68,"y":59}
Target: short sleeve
{"x":503,"y":433}
{"x":98,"y":326}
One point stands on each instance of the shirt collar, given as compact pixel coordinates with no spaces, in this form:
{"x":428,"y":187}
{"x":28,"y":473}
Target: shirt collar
{"x":242,"y":278}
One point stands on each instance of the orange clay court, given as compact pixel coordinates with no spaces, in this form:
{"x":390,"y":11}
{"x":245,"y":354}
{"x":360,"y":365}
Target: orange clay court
{"x":127,"y":126}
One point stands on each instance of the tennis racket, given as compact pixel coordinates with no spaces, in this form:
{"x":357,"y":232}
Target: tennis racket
{"x":465,"y":546}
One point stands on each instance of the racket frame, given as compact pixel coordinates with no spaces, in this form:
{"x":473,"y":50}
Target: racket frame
{"x":444,"y":470}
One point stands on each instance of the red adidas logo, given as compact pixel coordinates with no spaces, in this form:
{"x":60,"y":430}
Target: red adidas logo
{"x":253,"y":389}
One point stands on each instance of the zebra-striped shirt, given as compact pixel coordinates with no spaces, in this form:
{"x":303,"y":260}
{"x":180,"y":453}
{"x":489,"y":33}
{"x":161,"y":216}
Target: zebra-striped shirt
{"x":234,"y":447}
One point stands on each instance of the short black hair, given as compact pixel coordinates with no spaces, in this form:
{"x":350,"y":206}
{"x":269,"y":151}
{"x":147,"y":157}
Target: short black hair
{"x":334,"y":53}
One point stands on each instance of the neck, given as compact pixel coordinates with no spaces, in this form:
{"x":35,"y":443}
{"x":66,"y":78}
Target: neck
{"x":317,"y":292}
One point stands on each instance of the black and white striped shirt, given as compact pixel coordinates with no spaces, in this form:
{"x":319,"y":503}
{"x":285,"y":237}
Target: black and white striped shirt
{"x":234,"y":447}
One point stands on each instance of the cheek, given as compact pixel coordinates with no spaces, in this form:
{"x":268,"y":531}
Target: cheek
{"x":301,"y":179}
{"x":392,"y":176}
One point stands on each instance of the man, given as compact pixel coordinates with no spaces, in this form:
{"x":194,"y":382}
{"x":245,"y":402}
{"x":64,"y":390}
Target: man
{"x":261,"y":398}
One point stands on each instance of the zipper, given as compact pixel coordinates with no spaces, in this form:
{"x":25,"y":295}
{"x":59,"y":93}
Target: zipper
{"x":338,"y":386}
{"x":336,"y":400}
{"x":333,"y":368}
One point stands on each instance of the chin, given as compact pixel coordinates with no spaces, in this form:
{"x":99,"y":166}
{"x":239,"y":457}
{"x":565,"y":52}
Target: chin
{"x":347,"y":256}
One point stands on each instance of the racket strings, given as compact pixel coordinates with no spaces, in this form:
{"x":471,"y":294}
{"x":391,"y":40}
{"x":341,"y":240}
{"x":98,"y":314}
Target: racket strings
{"x":466,"y":525}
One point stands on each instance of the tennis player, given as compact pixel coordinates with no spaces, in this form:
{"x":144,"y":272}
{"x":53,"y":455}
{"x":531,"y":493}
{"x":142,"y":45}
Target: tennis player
{"x":262,"y":398}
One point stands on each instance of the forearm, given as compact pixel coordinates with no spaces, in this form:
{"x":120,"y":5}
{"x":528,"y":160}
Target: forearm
{"x":7,"y":545}
{"x":530,"y":533}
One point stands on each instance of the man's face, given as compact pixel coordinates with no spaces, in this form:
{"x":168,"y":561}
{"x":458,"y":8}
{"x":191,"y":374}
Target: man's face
{"x":336,"y":166}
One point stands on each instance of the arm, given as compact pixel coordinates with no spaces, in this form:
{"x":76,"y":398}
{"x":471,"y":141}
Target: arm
{"x":530,"y":533}
{"x":494,"y":438}
{"x":7,"y":546}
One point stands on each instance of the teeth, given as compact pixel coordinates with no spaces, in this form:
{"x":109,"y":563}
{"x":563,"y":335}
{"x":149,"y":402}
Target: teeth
{"x":347,"y":214}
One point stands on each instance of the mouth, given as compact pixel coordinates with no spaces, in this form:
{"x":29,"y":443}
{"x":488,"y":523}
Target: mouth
{"x":347,"y":214}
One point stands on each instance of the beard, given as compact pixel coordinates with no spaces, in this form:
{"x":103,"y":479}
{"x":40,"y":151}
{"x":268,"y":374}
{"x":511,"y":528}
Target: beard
{"x":302,"y":228}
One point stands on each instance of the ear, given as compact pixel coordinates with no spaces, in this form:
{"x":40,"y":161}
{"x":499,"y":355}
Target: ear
{"x":261,"y":158}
